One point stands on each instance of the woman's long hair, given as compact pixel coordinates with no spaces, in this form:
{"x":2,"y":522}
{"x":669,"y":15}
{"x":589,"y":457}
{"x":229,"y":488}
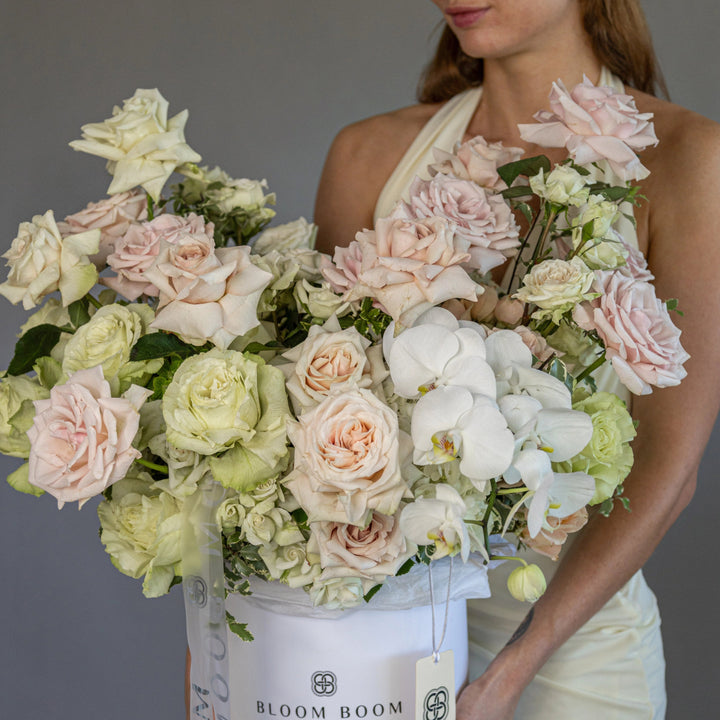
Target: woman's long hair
{"x":618,"y":33}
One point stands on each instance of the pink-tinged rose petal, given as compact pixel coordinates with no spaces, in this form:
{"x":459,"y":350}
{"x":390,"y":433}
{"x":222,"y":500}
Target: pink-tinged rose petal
{"x":81,"y":438}
{"x":595,"y":124}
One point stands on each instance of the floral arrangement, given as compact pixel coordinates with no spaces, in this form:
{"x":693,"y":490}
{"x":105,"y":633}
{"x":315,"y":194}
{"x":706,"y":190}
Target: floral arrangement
{"x":363,"y":413}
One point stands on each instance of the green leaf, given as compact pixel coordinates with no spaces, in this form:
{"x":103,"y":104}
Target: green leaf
{"x":406,"y":567}
{"x":371,"y":592}
{"x":240,"y":629}
{"x":559,"y":370}
{"x":518,"y":191}
{"x":35,"y":343}
{"x":526,"y":210}
{"x":79,"y":312}
{"x":159,"y":345}
{"x":527,"y":166}
{"x":672,"y":306}
{"x":256,"y":347}
{"x":606,"y":507}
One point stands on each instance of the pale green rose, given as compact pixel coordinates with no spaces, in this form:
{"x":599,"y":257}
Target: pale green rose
{"x":230,"y":515}
{"x":185,"y":468}
{"x":556,"y":286}
{"x":338,"y":593}
{"x":289,"y":564}
{"x":225,"y":400}
{"x":41,"y":262}
{"x":107,"y":339}
{"x":266,"y":523}
{"x":601,"y":212}
{"x":526,"y":583}
{"x":607,"y":457}
{"x":17,"y":411}
{"x":141,"y":529}
{"x":321,"y":302}
{"x":296,"y":234}
{"x":563,"y":186}
{"x":601,"y":254}
{"x":18,"y":480}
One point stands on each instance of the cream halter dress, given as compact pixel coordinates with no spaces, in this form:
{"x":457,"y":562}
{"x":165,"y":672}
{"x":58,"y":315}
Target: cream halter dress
{"x":613,"y":668}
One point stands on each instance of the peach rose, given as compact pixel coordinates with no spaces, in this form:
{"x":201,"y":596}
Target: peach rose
{"x":508,"y":310}
{"x":373,"y":552}
{"x":113,"y":216}
{"x":476,"y":160}
{"x":483,"y":219}
{"x":595,"y":124}
{"x":347,"y":459}
{"x":640,"y":339}
{"x":331,"y":359}
{"x":205,"y":294}
{"x":81,"y":438}
{"x":409,"y":266}
{"x":549,"y":541}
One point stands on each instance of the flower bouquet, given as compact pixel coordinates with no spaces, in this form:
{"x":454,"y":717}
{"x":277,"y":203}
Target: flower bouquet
{"x":311,"y":436}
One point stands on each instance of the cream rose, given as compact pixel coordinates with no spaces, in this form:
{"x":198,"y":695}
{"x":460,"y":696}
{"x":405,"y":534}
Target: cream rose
{"x":41,"y":262}
{"x":347,"y":459}
{"x":81,"y":437}
{"x":563,"y":186}
{"x":557,"y":286}
{"x":141,"y":145}
{"x":331,"y":359}
{"x":321,"y":302}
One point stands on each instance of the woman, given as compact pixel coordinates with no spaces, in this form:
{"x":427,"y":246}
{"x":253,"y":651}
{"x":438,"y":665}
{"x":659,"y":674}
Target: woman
{"x":590,"y":647}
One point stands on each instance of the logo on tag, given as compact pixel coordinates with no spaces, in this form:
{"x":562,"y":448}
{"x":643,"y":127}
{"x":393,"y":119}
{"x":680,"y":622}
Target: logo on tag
{"x":324,"y":683}
{"x":436,"y":704}
{"x":197,"y":592}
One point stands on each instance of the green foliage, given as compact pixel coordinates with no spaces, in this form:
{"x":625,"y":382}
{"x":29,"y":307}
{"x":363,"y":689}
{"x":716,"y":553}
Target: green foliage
{"x":527,"y":166}
{"x":370,"y":321}
{"x":35,"y":343}
{"x":79,"y":312}
{"x":161,"y":344}
{"x":558,"y":369}
{"x":240,"y":629}
{"x":672,"y":306}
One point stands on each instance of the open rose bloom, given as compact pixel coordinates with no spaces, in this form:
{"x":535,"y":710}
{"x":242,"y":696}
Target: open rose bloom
{"x":346,"y":417}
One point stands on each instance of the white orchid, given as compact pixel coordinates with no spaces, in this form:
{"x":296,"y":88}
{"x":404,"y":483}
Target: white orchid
{"x":438,"y":351}
{"x":452,"y":422}
{"x":438,"y":519}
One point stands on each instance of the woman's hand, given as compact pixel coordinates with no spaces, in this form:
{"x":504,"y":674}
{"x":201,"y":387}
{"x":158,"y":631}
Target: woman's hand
{"x":484,"y":700}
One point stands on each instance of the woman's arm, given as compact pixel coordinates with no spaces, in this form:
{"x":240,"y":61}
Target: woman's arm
{"x":674,"y":425}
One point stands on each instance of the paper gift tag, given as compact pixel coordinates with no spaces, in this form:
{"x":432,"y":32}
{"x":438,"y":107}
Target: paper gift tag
{"x":435,"y":688}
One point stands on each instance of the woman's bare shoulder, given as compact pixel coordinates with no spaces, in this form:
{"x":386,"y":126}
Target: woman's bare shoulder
{"x":359,"y":162}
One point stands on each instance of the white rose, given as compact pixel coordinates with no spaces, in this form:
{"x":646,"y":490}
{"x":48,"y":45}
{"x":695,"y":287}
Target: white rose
{"x":296,"y":234}
{"x":563,"y":186}
{"x":557,"y":286}
{"x":230,"y":515}
{"x":337,"y":593}
{"x":141,"y":145}
{"x":289,"y":564}
{"x":41,"y":262}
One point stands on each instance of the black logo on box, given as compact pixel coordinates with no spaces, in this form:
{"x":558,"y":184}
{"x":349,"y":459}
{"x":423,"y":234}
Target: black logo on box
{"x":436,"y":705}
{"x":324,"y":683}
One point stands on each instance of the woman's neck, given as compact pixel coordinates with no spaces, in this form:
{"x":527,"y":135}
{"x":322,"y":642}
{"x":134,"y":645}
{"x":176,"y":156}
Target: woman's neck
{"x":515,"y":88}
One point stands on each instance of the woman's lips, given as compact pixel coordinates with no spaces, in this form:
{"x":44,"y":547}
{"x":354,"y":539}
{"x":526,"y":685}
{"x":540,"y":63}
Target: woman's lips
{"x":465,"y":17}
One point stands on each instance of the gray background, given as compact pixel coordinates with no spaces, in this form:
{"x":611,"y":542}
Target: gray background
{"x":268,"y":84}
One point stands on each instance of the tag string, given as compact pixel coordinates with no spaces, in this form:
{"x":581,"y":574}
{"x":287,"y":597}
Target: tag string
{"x":436,"y":647}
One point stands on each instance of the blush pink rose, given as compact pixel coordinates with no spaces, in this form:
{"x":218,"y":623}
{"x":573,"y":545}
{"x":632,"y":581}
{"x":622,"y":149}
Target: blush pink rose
{"x":476,"y":160}
{"x":595,"y":124}
{"x":549,"y":541}
{"x":204,"y":293}
{"x":136,"y":251}
{"x":408,"y":266}
{"x":342,"y":271}
{"x":113,"y":216}
{"x":636,"y":265}
{"x":347,"y":459}
{"x":482,"y":219}
{"x":373,"y":552}
{"x":640,"y":339}
{"x":81,"y":438}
